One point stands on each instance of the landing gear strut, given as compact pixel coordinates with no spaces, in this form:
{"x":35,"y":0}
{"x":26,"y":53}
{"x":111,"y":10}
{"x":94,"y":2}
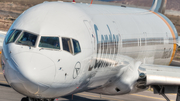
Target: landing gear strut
{"x":160,"y":90}
{"x":178,"y":94}
{"x":33,"y":99}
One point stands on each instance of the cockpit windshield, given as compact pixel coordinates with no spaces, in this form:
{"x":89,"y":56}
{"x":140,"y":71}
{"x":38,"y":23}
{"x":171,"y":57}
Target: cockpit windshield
{"x":12,"y":36}
{"x":49,"y":42}
{"x":27,"y":39}
{"x":66,"y":42}
{"x":77,"y":48}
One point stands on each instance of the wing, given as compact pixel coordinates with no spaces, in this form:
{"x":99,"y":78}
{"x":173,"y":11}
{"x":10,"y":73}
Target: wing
{"x":161,"y":75}
{"x":163,"y":79}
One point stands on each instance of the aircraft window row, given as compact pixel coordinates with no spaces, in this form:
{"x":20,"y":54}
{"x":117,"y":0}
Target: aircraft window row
{"x":27,"y":39}
{"x":130,"y":42}
{"x":49,"y":42}
{"x":171,"y":40}
{"x":143,"y":41}
{"x":155,"y":41}
{"x":107,"y":48}
{"x":12,"y":36}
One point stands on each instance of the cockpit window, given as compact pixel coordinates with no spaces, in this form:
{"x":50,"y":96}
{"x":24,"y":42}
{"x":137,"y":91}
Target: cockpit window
{"x":77,"y":48}
{"x":49,"y":42}
{"x":67,"y":45}
{"x":27,"y":39}
{"x":8,"y":35}
{"x":14,"y":36}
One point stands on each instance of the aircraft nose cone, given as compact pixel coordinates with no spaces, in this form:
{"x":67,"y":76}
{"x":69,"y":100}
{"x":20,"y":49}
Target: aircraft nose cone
{"x":37,"y":68}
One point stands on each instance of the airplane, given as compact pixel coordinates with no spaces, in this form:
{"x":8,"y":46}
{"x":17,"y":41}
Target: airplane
{"x":57,"y":48}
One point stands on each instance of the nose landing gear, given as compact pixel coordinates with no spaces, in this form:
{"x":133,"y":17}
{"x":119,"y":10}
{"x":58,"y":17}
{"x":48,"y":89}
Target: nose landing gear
{"x":25,"y":99}
{"x":33,"y":99}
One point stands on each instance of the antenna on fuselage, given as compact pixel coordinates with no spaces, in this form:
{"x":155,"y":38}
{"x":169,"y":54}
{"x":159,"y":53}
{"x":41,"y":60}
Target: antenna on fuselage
{"x":91,"y":2}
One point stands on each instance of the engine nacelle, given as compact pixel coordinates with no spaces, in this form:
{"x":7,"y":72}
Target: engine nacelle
{"x":128,"y":81}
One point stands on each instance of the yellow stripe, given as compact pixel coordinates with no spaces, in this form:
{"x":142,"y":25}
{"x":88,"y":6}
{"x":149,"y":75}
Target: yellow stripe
{"x":88,"y":95}
{"x":149,"y":97}
{"x":98,"y":97}
{"x":3,"y":82}
{"x":173,"y":35}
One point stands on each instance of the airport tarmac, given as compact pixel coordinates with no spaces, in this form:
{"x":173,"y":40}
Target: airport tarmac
{"x":8,"y":94}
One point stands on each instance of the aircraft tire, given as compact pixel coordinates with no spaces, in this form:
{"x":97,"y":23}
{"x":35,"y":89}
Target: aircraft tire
{"x":24,"y":99}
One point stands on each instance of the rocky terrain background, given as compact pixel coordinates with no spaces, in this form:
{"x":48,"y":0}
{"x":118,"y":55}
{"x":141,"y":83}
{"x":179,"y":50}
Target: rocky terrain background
{"x":171,"y":4}
{"x":11,"y":9}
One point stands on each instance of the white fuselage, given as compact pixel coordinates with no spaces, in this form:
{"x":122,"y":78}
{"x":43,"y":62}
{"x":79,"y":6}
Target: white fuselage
{"x":114,"y":41}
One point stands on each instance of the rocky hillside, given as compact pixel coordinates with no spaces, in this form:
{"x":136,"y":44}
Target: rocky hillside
{"x":171,"y":4}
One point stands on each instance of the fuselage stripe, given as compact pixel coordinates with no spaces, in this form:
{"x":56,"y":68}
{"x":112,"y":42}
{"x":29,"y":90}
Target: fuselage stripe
{"x":173,"y":35}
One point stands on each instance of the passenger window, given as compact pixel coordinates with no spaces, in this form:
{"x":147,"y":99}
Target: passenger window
{"x":77,"y":48}
{"x":8,"y":35}
{"x":67,"y":45}
{"x":49,"y":42}
{"x":27,"y":39}
{"x":14,"y":36}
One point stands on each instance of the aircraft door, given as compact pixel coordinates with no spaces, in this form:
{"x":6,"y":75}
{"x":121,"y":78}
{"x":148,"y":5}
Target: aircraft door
{"x":93,"y":42}
{"x":91,"y":34}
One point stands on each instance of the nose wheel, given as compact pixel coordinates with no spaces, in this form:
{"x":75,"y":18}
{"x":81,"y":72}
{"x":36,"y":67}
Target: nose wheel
{"x":25,"y":99}
{"x":33,"y":99}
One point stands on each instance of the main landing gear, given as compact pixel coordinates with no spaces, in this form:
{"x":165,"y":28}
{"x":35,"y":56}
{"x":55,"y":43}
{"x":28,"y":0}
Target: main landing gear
{"x":33,"y":99}
{"x":161,"y":91}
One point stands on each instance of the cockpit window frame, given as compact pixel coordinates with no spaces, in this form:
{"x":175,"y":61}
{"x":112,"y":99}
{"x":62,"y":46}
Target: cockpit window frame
{"x":7,"y":36}
{"x":39,"y":39}
{"x":13,"y":34}
{"x":7,"y":40}
{"x":72,"y":46}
